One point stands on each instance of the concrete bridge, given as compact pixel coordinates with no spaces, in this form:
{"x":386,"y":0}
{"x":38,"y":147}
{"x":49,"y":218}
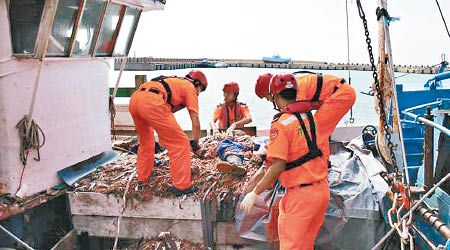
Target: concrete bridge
{"x":151,"y":64}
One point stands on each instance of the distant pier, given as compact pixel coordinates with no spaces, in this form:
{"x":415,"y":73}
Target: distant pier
{"x":151,"y":64}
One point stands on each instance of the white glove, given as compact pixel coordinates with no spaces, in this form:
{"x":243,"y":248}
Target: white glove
{"x":262,"y":150}
{"x":231,"y":128}
{"x":248,"y":201}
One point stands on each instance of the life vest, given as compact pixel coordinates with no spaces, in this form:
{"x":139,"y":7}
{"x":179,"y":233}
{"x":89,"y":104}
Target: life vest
{"x":311,"y":141}
{"x":225,"y":119}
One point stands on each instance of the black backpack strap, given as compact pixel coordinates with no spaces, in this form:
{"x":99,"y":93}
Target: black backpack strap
{"x":319,"y":88}
{"x":314,"y":151}
{"x":166,"y":87}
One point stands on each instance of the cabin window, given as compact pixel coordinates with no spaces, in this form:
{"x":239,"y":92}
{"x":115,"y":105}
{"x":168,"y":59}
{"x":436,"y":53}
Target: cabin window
{"x":88,"y":27}
{"x":109,"y":30}
{"x":126,"y":32}
{"x":62,"y":30}
{"x":25,"y":17}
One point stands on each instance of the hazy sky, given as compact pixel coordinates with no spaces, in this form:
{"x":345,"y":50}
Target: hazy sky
{"x":299,"y":29}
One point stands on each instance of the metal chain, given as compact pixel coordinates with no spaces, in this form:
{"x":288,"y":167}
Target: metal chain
{"x":381,"y":103}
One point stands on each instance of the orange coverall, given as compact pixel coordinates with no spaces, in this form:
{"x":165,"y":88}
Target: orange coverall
{"x":150,"y":112}
{"x":336,"y":97}
{"x":302,"y":209}
{"x":241,"y":113}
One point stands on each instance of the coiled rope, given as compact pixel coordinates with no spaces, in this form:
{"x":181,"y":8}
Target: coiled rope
{"x":29,"y":139}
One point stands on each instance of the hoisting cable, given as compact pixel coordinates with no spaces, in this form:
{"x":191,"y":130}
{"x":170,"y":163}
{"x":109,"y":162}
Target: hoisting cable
{"x":112,"y":107}
{"x":443,"y":19}
{"x":122,"y":210}
{"x":351,"y":119}
{"x":381,"y":103}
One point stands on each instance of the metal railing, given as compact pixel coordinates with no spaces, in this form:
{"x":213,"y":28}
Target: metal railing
{"x":419,"y":119}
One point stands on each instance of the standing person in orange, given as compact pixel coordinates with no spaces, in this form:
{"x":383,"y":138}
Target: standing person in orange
{"x":231,"y":113}
{"x":152,"y":107}
{"x":295,"y":158}
{"x":332,"y":97}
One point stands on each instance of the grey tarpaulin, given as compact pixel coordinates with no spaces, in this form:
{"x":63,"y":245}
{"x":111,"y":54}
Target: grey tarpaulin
{"x":353,"y":219}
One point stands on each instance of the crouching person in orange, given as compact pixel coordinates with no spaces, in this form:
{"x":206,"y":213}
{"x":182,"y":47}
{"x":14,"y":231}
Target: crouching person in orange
{"x":231,"y":114}
{"x":152,"y":107}
{"x":295,"y":158}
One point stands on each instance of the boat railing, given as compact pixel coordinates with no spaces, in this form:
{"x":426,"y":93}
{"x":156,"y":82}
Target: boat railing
{"x":436,"y":80}
{"x":419,"y":119}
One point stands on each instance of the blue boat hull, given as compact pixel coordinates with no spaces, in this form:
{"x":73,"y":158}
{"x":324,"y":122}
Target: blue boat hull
{"x":276,"y":59}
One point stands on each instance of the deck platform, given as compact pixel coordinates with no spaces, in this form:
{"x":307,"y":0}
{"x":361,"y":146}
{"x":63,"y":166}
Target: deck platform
{"x":97,"y":214}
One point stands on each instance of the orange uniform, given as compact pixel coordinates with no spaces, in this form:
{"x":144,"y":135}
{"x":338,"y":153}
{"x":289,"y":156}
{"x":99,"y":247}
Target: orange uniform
{"x":227,"y":114}
{"x":336,"y":96}
{"x":302,"y":209}
{"x":150,"y":111}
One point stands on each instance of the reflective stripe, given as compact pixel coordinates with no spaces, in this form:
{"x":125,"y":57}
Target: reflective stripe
{"x":291,"y":119}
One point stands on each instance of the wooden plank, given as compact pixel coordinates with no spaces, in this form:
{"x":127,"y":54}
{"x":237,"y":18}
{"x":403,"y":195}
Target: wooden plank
{"x":225,"y":234}
{"x":110,"y":205}
{"x":136,"y":228}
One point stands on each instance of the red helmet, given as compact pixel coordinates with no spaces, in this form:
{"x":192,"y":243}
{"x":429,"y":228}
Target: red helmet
{"x":262,"y":85}
{"x":282,"y":82}
{"x":231,"y":86}
{"x":198,"y":75}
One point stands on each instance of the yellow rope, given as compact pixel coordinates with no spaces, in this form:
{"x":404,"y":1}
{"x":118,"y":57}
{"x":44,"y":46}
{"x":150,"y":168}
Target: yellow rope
{"x":29,"y":138}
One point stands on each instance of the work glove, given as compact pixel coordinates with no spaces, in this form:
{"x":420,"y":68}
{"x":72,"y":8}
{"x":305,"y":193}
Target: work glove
{"x":262,"y":150}
{"x":231,"y":128}
{"x":194,"y":145}
{"x":248,"y":201}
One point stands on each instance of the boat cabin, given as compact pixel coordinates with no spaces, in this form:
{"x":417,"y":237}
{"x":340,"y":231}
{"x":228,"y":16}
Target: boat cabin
{"x":54,"y":84}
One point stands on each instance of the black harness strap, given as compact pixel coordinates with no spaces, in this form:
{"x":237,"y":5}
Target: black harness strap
{"x":319,"y":88}
{"x":314,"y":151}
{"x":228,"y":115}
{"x":166,"y":87}
{"x":319,"y":83}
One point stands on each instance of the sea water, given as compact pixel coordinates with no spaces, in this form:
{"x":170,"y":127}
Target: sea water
{"x":363,"y":111}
